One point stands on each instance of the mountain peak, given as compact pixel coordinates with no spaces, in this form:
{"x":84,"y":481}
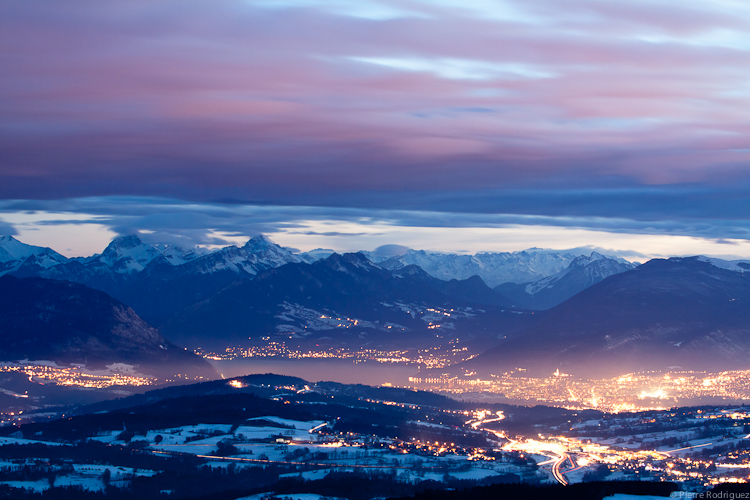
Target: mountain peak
{"x":126,"y":254}
{"x":13,"y":250}
{"x":260,"y":242}
{"x":585,"y":260}
{"x":127,"y":241}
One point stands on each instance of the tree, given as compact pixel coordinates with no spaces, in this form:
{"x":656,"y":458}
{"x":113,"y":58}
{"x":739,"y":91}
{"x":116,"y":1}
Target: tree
{"x":225,"y":448}
{"x":126,"y":436}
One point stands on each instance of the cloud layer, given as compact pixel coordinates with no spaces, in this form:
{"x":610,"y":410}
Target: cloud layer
{"x":634,"y":112}
{"x":85,"y":226}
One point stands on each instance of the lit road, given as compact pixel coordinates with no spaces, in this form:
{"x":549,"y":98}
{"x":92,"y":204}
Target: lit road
{"x":556,"y":468}
{"x":687,"y":448}
{"x":482,"y":418}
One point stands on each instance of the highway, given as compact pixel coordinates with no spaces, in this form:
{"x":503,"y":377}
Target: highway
{"x":556,"y":469}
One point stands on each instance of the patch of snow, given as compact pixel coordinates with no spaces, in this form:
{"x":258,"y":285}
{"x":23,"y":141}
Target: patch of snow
{"x":8,"y":440}
{"x":177,"y":256}
{"x":739,"y":266}
{"x":310,"y":319}
{"x":40,"y":485}
{"x":297,"y":424}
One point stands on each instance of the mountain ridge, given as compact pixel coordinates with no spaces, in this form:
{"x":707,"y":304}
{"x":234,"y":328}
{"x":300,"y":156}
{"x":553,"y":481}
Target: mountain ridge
{"x":680,"y":312}
{"x":583,"y":272}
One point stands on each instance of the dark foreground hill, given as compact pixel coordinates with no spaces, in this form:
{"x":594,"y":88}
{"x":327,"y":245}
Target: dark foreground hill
{"x":66,"y":322}
{"x":681,"y":312}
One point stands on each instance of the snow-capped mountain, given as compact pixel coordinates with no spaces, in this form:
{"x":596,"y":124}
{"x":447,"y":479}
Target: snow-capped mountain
{"x":493,"y":268}
{"x":258,"y":254}
{"x":125,"y":255}
{"x":13,"y":254}
{"x":263,"y":253}
{"x":128,"y":255}
{"x":582,"y":272}
{"x":155,"y":280}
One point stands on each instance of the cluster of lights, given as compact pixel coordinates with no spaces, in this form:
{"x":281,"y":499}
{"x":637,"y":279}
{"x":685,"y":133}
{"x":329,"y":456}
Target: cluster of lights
{"x":75,"y":376}
{"x":429,"y":358}
{"x":632,"y":392}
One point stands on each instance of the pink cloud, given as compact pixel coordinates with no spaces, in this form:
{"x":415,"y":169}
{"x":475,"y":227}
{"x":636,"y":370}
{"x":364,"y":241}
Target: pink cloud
{"x":227,"y":94}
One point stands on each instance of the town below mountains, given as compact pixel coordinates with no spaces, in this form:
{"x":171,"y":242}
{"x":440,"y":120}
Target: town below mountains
{"x":537,"y":310}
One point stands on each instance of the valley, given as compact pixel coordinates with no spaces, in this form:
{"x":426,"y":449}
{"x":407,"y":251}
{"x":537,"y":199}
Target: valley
{"x":367,"y":368}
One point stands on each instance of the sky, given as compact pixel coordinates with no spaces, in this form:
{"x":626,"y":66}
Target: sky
{"x":445,"y":125}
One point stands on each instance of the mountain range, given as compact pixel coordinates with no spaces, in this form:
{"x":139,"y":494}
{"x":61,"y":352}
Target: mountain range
{"x":127,"y":255}
{"x":159,"y":280}
{"x":345,"y":300}
{"x":201,"y":298}
{"x":586,"y":314}
{"x":680,"y":313}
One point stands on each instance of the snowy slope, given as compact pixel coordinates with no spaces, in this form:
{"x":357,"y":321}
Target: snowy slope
{"x":582,"y":272}
{"x":13,"y":254}
{"x":177,"y":256}
{"x":740,"y":266}
{"x":493,"y":268}
{"x":258,"y":254}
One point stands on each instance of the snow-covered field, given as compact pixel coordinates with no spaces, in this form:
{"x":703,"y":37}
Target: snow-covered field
{"x":8,"y":440}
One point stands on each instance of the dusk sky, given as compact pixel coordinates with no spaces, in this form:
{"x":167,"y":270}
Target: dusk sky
{"x":444,"y":125}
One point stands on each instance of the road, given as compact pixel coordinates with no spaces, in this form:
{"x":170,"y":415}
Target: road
{"x":556,"y":469}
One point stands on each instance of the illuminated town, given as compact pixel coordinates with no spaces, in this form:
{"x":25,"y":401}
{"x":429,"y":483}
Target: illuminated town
{"x":619,"y":429}
{"x":75,"y":376}
{"x":631,"y":392}
{"x":696,"y":448}
{"x":421,"y":358}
